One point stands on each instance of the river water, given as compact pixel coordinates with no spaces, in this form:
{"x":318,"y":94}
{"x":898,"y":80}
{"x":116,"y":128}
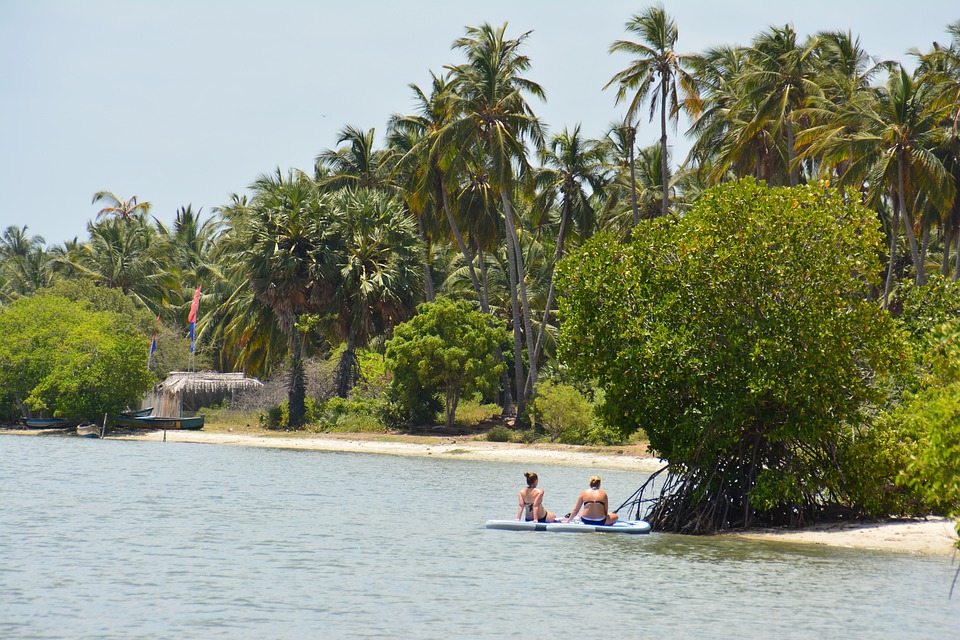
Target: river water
{"x":115,"y":539}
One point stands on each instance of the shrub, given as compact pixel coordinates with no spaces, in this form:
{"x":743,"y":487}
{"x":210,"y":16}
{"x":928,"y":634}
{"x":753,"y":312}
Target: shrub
{"x":499,"y":433}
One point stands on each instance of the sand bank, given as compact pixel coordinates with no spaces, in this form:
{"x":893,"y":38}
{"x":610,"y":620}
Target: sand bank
{"x":448,"y":447}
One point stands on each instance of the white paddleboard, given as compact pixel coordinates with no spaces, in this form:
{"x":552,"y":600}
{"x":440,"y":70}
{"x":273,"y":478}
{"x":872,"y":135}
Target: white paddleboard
{"x":621,"y":526}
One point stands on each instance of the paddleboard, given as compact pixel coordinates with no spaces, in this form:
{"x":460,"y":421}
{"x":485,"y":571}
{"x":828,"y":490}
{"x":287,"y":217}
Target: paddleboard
{"x":637,"y":526}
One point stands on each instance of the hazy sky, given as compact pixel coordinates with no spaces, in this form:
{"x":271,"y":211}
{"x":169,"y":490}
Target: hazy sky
{"x":185,"y":102}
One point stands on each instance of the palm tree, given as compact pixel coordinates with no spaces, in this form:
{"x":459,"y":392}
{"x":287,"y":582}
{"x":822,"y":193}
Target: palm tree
{"x":285,"y":251}
{"x":358,"y":164}
{"x":891,"y":145}
{"x":656,"y":73}
{"x":120,"y":208}
{"x":493,"y":123}
{"x":570,"y":164}
{"x":23,"y":263}
{"x":781,"y":77}
{"x":122,"y":253}
{"x":377,"y":272}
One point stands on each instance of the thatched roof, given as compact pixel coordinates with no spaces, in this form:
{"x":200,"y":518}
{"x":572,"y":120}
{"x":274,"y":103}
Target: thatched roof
{"x":206,"y":382}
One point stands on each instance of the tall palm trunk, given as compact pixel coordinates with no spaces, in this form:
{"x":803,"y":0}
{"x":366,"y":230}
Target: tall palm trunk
{"x":947,"y":241}
{"x":907,"y":222}
{"x":538,"y":348}
{"x":664,"y":161}
{"x":791,"y":152}
{"x":508,"y":408}
{"x":894,"y":230}
{"x":524,"y":301}
{"x":455,"y":228}
{"x":428,"y":291}
{"x":631,"y":137}
{"x":296,"y":396}
{"x":348,"y":369}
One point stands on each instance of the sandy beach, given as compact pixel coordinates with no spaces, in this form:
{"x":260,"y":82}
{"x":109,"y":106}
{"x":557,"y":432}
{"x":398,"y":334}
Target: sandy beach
{"x":934,"y":535}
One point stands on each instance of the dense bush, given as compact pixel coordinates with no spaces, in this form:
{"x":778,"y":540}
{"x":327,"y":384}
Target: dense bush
{"x":741,"y":338}
{"x":445,"y":351}
{"x":72,"y":358}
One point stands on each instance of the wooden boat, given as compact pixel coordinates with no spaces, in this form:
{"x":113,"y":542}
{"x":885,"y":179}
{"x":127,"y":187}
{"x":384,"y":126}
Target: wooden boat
{"x":159,"y":422}
{"x":88,"y":430}
{"x":45,"y":423}
{"x":138,"y":413}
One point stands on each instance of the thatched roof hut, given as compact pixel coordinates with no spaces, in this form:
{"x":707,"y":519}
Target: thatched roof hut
{"x":184,"y":392}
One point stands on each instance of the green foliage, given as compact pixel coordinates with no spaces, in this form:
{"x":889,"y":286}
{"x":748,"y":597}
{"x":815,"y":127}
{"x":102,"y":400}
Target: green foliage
{"x":567,"y":416}
{"x":63,"y":358}
{"x":499,"y":433}
{"x":934,"y":416}
{"x":471,"y":412}
{"x":447,"y":348}
{"x":356,"y":414}
{"x":278,"y":417}
{"x":739,"y":337}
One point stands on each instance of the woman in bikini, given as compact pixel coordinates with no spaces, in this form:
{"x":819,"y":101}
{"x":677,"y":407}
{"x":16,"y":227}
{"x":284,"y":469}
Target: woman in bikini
{"x":531,"y":502}
{"x":595,"y":505}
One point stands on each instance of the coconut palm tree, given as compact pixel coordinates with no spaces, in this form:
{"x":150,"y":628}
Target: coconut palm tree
{"x":118,"y":207}
{"x":781,"y":76}
{"x":24,"y":263}
{"x":494,"y":122}
{"x":893,"y":138}
{"x":122,"y":253}
{"x":658,"y":74}
{"x":570,"y":165}
{"x":358,"y":164}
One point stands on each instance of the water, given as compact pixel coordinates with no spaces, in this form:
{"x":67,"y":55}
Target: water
{"x":110,"y":539}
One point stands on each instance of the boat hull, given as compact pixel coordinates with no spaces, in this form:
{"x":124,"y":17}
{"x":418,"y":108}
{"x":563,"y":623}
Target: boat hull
{"x":88,"y":430}
{"x":158,"y":422}
{"x":623,"y":527}
{"x":45,"y":423}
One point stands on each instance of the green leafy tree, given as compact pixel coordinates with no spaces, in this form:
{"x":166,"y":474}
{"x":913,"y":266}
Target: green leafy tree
{"x":448,"y":348}
{"x":64,"y":358}
{"x":740,"y":339}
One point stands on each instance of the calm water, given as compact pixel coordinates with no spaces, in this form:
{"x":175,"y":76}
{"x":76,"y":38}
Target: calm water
{"x":107,"y":539}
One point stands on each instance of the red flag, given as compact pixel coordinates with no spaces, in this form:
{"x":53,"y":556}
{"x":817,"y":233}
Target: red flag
{"x":194,"y":306}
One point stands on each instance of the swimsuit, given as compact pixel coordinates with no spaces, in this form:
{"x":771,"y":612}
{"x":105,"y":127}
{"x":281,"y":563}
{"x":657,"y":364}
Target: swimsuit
{"x":529,"y":506}
{"x":592,"y":521}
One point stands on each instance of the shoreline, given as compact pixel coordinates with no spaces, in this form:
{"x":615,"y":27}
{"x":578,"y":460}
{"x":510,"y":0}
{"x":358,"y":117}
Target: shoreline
{"x":930,"y":536}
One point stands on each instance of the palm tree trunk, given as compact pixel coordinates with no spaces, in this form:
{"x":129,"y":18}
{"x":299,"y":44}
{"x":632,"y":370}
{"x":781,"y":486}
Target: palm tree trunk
{"x":524,"y":299}
{"x":429,"y":294}
{"x":664,"y":161}
{"x":894,"y":230}
{"x":631,"y":135}
{"x":515,"y":308}
{"x":455,"y":228}
{"x":538,"y":348}
{"x":347,"y":369}
{"x":925,"y":244}
{"x":908,"y":223}
{"x":956,"y":253}
{"x":791,"y":152}
{"x":296,"y":395}
{"x":947,"y":240}
{"x":508,"y":408}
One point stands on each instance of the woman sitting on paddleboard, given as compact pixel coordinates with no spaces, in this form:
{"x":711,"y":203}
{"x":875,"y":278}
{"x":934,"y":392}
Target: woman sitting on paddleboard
{"x":531,"y":502}
{"x":595,"y":506}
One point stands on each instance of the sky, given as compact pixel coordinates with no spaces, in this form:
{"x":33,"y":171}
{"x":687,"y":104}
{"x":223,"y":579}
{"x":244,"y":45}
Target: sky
{"x":185,"y":102}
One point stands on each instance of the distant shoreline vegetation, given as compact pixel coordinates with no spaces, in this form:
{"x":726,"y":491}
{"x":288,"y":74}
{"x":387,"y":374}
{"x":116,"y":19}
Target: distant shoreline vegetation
{"x":779,"y":312}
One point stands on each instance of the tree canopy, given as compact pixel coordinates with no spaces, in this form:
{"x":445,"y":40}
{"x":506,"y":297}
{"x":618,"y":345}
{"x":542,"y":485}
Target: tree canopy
{"x":741,"y":340}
